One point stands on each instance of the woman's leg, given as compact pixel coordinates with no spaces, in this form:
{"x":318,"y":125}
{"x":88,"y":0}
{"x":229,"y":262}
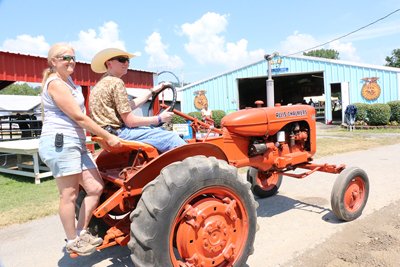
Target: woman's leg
{"x":93,"y":185}
{"x":68,"y":187}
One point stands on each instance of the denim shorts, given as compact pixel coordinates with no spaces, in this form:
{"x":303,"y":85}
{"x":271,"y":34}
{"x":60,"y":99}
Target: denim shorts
{"x":72,"y":158}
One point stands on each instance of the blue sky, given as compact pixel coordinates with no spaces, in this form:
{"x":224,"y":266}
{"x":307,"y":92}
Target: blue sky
{"x":200,"y":39}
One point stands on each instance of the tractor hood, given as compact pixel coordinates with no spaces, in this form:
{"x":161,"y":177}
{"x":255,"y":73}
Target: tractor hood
{"x":247,"y":122}
{"x":265,"y":121}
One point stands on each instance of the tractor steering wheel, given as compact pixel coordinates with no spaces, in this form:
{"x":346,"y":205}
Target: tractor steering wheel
{"x":172,"y":106}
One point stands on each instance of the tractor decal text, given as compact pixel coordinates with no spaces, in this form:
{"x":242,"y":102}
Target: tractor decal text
{"x":295,"y":113}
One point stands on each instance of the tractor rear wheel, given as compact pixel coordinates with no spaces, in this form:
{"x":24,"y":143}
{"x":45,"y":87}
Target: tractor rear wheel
{"x":197,"y":212}
{"x":350,"y":194}
{"x":263,"y":184}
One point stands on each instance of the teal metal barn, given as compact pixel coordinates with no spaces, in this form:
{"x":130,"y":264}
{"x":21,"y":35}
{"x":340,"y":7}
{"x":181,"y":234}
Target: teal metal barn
{"x":333,"y":84}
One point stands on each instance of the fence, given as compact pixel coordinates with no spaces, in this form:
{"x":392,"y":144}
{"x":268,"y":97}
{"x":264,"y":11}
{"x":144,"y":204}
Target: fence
{"x":19,"y":127}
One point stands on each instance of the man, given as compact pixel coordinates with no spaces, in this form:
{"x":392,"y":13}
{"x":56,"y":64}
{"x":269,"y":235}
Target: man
{"x":110,"y":107}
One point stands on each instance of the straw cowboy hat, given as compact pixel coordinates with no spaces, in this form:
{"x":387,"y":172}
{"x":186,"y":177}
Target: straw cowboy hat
{"x":101,"y":57}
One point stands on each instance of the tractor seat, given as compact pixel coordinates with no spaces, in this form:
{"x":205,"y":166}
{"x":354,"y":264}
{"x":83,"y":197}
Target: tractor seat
{"x":129,"y":146}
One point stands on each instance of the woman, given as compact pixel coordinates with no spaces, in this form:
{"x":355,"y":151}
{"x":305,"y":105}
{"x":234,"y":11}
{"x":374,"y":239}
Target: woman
{"x":62,"y":147}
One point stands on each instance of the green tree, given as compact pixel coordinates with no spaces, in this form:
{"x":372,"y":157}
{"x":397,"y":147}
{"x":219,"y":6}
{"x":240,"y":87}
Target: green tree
{"x":20,"y":89}
{"x":324,"y":53}
{"x":394,"y":60}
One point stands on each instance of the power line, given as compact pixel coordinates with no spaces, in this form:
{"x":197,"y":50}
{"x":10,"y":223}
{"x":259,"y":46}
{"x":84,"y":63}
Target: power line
{"x":338,"y":38}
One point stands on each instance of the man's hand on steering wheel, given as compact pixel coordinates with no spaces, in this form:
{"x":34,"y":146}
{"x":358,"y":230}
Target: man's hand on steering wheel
{"x":166,"y":115}
{"x":160,"y":87}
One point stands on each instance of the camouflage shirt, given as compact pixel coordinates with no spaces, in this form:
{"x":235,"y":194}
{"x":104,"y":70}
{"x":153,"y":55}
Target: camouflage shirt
{"x":108,"y":99}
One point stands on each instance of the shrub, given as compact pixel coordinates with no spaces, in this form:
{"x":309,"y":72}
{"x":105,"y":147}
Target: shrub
{"x":361,"y":111}
{"x":176,"y":119}
{"x":217,"y":116}
{"x":196,"y":114}
{"x":394,"y":110}
{"x":378,"y":114}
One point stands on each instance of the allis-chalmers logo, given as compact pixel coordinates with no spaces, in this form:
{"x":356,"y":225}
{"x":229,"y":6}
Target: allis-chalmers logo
{"x":370,"y":89}
{"x":294,"y":113}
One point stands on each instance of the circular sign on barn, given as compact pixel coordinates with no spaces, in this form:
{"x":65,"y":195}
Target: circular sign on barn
{"x":371,"y":89}
{"x":200,"y":100}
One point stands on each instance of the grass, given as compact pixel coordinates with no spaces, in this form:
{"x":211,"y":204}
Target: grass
{"x":21,"y":200}
{"x":338,"y":140}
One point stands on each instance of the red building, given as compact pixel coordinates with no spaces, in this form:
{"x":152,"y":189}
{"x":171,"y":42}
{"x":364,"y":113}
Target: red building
{"x":26,"y":68}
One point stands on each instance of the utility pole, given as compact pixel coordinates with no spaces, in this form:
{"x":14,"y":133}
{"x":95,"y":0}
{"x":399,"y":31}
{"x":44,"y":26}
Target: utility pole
{"x":270,"y":82}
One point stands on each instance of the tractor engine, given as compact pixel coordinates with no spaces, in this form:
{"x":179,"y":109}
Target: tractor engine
{"x":270,"y":138}
{"x":291,"y":138}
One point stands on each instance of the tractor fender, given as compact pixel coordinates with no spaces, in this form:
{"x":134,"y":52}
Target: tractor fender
{"x":154,"y":167}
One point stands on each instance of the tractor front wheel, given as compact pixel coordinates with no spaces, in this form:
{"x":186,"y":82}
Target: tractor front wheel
{"x":350,"y":194}
{"x":263,"y":184}
{"x":197,"y":212}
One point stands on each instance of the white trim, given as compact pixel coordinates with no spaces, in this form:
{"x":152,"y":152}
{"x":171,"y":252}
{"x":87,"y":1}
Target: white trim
{"x":345,"y":93}
{"x":398,"y":86}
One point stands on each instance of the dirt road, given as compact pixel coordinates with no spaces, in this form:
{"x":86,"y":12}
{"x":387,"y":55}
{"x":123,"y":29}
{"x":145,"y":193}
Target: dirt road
{"x":297,"y":227}
{"x":373,"y":241}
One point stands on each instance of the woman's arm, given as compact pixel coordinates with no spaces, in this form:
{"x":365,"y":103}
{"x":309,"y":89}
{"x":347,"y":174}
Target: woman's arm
{"x":65,"y":101}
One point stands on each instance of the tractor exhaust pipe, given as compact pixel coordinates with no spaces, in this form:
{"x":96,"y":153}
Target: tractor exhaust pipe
{"x":270,"y":83}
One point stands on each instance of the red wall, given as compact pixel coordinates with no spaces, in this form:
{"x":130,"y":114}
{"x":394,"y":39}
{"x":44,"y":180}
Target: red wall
{"x":26,"y":68}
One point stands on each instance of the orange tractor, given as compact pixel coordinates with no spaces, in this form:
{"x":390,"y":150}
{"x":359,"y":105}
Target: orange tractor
{"x":190,"y":207}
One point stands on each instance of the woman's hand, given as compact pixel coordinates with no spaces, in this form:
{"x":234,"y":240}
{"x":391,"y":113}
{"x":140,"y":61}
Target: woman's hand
{"x":112,"y":141}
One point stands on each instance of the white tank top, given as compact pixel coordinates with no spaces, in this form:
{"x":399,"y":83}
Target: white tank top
{"x":55,"y":120}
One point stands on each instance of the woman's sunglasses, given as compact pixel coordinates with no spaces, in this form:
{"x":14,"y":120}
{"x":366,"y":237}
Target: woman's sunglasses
{"x":67,"y":58}
{"x":120,"y":59}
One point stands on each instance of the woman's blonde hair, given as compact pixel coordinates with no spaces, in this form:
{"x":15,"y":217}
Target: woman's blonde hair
{"x":54,"y":51}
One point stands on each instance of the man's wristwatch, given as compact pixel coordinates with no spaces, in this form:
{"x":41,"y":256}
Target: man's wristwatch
{"x":159,"y":119}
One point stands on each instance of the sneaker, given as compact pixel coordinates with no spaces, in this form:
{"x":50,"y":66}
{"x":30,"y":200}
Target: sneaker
{"x":89,"y":238}
{"x":80,"y":247}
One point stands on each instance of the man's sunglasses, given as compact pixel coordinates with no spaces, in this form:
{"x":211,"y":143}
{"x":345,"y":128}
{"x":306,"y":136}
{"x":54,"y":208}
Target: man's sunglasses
{"x":120,"y":59}
{"x":67,"y":58}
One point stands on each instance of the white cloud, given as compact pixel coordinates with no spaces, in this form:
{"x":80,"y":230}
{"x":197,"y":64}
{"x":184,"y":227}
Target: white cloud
{"x":299,"y":42}
{"x":88,"y":44}
{"x":90,"y":41}
{"x":208,"y":45}
{"x":27,"y":44}
{"x":346,"y":51}
{"x":158,"y":54}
